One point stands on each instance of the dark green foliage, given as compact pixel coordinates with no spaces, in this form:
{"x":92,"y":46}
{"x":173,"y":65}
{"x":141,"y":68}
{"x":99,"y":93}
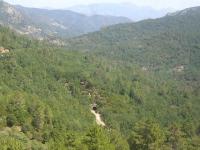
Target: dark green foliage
{"x":11,"y":120}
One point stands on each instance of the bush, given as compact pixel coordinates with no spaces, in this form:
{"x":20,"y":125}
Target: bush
{"x":11,"y":120}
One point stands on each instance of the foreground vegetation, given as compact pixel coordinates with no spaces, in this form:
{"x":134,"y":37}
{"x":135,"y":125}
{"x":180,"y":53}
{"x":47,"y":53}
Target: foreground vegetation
{"x":46,"y":92}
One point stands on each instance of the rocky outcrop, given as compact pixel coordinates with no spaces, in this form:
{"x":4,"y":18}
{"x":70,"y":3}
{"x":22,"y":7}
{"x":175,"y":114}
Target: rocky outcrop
{"x":4,"y":50}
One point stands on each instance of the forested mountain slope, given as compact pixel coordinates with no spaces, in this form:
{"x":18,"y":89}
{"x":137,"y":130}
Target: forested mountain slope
{"x":167,"y":43}
{"x":42,"y":23}
{"x":46,"y":91}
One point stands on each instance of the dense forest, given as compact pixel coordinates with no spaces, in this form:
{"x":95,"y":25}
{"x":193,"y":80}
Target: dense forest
{"x":146,"y":90}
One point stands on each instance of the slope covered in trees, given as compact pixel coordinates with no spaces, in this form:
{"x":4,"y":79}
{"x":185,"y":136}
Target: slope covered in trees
{"x":163,"y":44}
{"x":46,"y":91}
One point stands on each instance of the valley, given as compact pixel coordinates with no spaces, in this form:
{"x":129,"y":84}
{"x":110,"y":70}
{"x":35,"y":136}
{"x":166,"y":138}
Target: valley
{"x":128,"y":86}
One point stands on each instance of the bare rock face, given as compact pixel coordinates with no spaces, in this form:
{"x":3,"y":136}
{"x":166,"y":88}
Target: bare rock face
{"x":14,"y":15}
{"x":4,"y":50}
{"x":32,"y":30}
{"x":179,"y":68}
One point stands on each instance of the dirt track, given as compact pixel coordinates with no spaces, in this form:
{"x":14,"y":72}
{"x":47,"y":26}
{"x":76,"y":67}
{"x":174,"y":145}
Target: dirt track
{"x":98,"y":118}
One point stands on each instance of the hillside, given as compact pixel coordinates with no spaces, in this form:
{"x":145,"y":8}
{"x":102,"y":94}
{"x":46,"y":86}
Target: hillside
{"x":43,"y":23}
{"x":163,"y":44}
{"x":46,"y":92}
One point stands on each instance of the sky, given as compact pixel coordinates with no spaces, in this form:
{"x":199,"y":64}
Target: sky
{"x":156,"y":4}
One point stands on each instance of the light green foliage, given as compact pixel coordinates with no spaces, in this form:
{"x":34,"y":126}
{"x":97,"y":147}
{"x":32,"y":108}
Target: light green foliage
{"x":96,"y":139}
{"x":7,"y":142}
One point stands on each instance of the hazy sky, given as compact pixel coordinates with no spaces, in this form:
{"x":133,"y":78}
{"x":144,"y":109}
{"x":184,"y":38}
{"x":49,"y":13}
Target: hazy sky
{"x":175,"y":4}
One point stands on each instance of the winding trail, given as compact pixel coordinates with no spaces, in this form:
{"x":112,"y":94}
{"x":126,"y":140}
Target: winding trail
{"x":99,"y":121}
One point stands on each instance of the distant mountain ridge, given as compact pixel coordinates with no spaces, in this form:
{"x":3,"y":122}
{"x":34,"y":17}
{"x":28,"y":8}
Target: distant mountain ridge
{"x":42,"y":23}
{"x":136,"y":13}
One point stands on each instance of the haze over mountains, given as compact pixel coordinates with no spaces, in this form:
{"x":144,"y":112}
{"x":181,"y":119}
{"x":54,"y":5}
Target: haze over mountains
{"x":136,"y":13}
{"x":42,"y":23}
